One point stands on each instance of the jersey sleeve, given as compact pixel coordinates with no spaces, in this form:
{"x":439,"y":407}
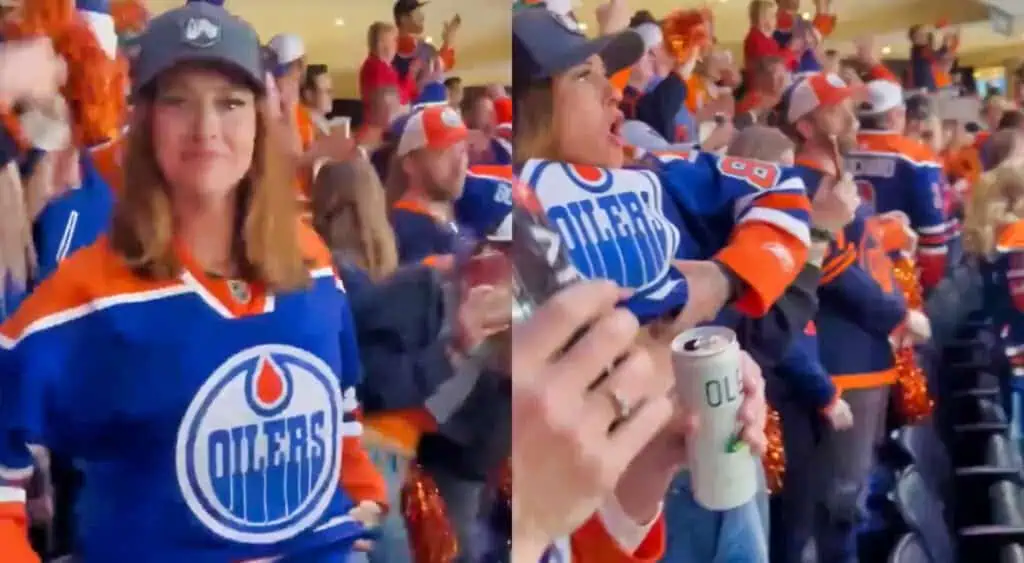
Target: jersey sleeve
{"x":595,"y":543}
{"x":39,"y":344}
{"x":1014,"y":341}
{"x":925,"y":208}
{"x":861,"y":297}
{"x":802,"y":370}
{"x":764,"y":209}
{"x":359,"y":477}
{"x":418,"y":239}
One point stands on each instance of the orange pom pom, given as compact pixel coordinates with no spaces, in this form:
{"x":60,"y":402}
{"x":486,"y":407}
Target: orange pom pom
{"x":774,"y":460}
{"x":913,"y":402}
{"x":431,"y":537}
{"x":130,"y":17}
{"x":96,"y":85}
{"x":687,"y":31}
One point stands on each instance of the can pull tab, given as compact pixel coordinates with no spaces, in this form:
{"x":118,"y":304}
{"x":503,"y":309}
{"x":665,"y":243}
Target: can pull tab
{"x":701,"y":342}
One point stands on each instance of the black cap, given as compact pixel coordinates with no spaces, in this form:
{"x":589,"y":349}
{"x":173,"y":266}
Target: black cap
{"x":642,"y":17}
{"x":545,"y":44}
{"x":403,"y":7}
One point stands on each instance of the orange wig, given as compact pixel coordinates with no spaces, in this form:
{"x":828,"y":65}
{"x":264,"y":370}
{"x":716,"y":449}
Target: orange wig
{"x":130,"y":17}
{"x":96,"y":86}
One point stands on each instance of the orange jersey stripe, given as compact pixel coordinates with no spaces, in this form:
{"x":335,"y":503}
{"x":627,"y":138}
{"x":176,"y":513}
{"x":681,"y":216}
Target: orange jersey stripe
{"x":767,"y":259}
{"x":592,"y":543}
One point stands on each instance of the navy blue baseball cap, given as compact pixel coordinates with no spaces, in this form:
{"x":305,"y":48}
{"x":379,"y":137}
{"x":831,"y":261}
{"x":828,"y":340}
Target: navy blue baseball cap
{"x":545,"y":44}
{"x":197,"y":32}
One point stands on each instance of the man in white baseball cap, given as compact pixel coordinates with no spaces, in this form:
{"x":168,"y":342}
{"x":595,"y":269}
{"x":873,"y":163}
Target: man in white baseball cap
{"x":883,"y":107}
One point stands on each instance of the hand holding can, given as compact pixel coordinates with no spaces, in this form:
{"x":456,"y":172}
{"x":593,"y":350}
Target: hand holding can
{"x":707,"y":362}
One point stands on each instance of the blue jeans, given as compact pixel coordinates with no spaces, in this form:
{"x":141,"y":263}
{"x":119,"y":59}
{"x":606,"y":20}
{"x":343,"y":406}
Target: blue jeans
{"x":699,"y":535}
{"x":392,"y":546}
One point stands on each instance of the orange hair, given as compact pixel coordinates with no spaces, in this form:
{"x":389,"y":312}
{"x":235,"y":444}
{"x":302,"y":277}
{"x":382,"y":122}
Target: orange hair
{"x":96,"y":86}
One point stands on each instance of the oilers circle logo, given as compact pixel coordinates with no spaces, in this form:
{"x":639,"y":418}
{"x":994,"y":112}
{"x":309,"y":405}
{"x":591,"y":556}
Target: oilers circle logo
{"x":611,"y":221}
{"x":258,"y":450}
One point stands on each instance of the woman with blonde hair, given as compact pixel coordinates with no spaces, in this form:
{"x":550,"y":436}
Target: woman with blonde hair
{"x":994,"y":238}
{"x":350,"y":214}
{"x":198,"y":364}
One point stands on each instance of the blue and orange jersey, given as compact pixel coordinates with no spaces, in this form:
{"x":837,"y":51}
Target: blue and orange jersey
{"x":628,"y":225}
{"x":895,"y":173}
{"x":860,"y":303}
{"x":930,"y":67}
{"x":411,"y":47}
{"x":788,"y":22}
{"x":802,"y":375}
{"x":483,"y":206}
{"x":1004,"y":297}
{"x":74,"y":220}
{"x":486,"y":200}
{"x":422,"y":236}
{"x":225,"y":435}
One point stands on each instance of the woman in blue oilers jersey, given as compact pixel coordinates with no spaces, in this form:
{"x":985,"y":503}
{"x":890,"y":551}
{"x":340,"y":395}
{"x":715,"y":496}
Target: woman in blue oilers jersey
{"x":198,"y":364}
{"x":672,"y":231}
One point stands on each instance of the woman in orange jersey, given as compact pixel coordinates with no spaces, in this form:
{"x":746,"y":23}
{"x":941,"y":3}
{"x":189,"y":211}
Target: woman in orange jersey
{"x":208,"y":332}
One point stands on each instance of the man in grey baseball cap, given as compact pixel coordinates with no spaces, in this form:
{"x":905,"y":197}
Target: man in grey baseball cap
{"x":198,"y":32}
{"x":545,"y":44}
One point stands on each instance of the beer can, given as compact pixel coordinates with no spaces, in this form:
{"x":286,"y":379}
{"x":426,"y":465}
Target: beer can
{"x":706,"y":362}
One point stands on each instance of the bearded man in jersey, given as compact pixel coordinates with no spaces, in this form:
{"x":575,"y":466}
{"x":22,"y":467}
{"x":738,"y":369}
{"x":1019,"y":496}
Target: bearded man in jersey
{"x":860,"y":306}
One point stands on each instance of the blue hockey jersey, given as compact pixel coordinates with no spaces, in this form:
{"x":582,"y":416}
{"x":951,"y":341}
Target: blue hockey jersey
{"x":629,"y":225}
{"x":895,"y":173}
{"x":859,"y":303}
{"x":1004,"y":297}
{"x":481,"y":210}
{"x":73,"y":220}
{"x":212,"y":421}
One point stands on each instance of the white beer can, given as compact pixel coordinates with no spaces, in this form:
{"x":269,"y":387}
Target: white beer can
{"x":706,"y":361}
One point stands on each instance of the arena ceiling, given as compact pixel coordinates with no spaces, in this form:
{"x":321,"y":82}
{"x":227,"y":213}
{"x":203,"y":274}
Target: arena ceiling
{"x":335,"y":32}
{"x":887,"y":20}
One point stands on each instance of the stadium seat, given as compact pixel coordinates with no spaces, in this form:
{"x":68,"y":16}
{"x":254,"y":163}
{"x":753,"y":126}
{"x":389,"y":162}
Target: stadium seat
{"x":928,"y":454}
{"x":909,"y":549}
{"x":922,"y":511}
{"x":1005,"y":498}
{"x":1013,"y":553}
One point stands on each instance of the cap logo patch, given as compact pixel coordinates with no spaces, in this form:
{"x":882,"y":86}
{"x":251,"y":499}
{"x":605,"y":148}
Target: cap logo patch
{"x":568,"y":22}
{"x":200,"y":33}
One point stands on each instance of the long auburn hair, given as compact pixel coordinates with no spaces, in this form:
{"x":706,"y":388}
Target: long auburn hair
{"x":350,"y":214}
{"x":266,"y":244}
